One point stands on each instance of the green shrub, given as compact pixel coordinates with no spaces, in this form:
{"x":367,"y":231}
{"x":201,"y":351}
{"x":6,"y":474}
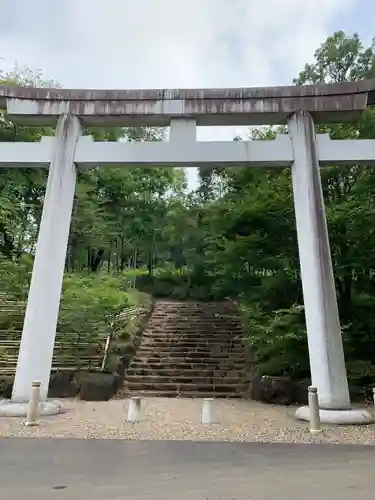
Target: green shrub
{"x":359,"y":328}
{"x":15,"y":277}
{"x":177,"y":283}
{"x":359,"y":340}
{"x":91,"y":303}
{"x":278,"y":340}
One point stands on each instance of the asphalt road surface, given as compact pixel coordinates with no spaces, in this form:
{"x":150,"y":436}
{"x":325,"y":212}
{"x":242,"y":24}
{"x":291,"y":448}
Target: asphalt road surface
{"x":41,"y":469}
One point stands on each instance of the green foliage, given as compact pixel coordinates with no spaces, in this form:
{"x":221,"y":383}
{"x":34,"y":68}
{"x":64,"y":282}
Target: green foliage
{"x":92,"y":301}
{"x":278,"y":339}
{"x":3,"y":354}
{"x":359,"y":340}
{"x":15,"y":277}
{"x":99,"y":307}
{"x":93,"y":308}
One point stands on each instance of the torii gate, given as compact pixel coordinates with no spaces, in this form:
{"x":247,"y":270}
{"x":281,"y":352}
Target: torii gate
{"x":183,"y":111}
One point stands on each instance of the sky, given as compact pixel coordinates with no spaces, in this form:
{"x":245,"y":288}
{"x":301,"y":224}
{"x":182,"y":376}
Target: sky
{"x":174,"y":43}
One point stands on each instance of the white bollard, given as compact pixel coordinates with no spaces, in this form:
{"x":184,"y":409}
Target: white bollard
{"x":314,"y":411}
{"x":208,"y":412}
{"x":134,"y":409}
{"x":373,"y":395}
{"x":33,"y":407}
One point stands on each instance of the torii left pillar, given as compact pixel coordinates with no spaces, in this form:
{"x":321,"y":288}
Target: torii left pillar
{"x":39,"y":329}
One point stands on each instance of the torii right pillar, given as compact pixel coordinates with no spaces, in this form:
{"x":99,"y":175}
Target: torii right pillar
{"x":327,"y":362}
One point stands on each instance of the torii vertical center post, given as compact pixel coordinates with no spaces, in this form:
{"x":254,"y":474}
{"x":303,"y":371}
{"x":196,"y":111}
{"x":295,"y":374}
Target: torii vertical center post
{"x":297,"y":106}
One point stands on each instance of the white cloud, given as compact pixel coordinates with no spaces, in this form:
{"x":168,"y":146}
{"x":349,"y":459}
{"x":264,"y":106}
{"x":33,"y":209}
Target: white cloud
{"x":166,"y":43}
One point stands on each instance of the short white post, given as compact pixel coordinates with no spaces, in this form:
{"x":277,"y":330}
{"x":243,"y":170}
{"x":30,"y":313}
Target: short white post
{"x":314,"y":411}
{"x":373,"y":395}
{"x":33,"y":407}
{"x":134,"y":409}
{"x":208,"y":411}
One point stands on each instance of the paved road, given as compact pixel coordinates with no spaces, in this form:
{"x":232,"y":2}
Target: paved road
{"x":161,"y":470}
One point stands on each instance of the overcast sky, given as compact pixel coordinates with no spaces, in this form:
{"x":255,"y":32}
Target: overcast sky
{"x":174,"y":43}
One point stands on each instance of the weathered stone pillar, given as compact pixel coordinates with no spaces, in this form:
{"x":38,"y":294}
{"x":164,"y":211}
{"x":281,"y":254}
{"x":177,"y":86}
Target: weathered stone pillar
{"x":39,"y":330}
{"x":327,"y":363}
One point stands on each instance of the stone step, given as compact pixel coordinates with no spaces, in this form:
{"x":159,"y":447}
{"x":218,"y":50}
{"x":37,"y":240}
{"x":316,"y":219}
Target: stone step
{"x":183,"y":363}
{"x":187,"y":339}
{"x":147,"y":350}
{"x":182,"y":347}
{"x":170,"y":328}
{"x":189,"y":349}
{"x":220,"y":306}
{"x":206,"y":306}
{"x":199,"y":371}
{"x":189,"y":356}
{"x":179,"y":379}
{"x":182,"y":339}
{"x":195,"y":316}
{"x":189,"y":329}
{"x":193,"y":334}
{"x":176,"y":351}
{"x":196,"y":312}
{"x":186,"y":364}
{"x":193,"y":338}
{"x":175,"y":394}
{"x":199,"y":317}
{"x":203,"y":308}
{"x":187,"y":320}
{"x":185,"y":387}
{"x":165,"y":372}
{"x":194,"y":346}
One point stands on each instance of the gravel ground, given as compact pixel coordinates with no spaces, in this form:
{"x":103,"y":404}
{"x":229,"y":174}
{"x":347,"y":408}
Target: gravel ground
{"x":178,"y":419}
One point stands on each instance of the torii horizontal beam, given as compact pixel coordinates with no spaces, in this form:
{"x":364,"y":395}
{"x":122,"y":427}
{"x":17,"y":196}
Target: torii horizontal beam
{"x":327,"y":103}
{"x":272,"y":153}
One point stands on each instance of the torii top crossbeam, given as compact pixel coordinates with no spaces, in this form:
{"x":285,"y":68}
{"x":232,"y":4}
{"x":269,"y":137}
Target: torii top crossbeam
{"x":337,"y":102}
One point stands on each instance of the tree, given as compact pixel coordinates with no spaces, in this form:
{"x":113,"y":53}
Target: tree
{"x":117,"y":212}
{"x":21,"y":191}
{"x":341,"y":58}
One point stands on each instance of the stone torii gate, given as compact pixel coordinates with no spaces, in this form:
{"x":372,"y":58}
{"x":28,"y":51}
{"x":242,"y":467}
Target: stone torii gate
{"x":183,"y":110}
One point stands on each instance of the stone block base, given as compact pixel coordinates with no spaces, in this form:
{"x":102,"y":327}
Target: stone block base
{"x":355,"y":416}
{"x":9,"y":409}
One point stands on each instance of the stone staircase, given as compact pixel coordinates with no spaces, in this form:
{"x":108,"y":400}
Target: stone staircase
{"x":189,"y":349}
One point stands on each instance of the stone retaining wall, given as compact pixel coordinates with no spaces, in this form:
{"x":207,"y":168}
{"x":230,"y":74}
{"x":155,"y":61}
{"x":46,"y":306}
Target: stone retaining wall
{"x":285,"y":391}
{"x":88,"y":386}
